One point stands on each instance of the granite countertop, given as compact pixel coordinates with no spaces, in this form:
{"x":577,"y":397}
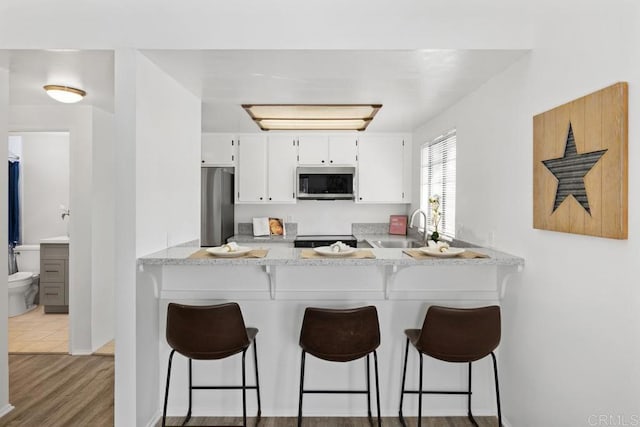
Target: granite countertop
{"x":57,"y":239}
{"x":291,"y":257}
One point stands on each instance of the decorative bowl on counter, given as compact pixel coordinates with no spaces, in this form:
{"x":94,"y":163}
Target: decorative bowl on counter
{"x":441,"y":252}
{"x":224,"y":252}
{"x":329,"y":251}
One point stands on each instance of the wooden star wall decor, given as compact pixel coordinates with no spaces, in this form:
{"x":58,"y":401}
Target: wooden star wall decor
{"x":580,"y":165}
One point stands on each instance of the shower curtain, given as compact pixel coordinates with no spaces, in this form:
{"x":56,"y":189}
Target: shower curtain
{"x":14,"y":203}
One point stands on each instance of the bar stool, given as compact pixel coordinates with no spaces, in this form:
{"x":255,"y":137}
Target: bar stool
{"x":341,"y":336}
{"x":210,"y":333}
{"x":455,"y":335}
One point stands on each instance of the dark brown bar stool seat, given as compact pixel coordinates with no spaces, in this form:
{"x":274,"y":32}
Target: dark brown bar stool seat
{"x":341,"y":336}
{"x":455,"y":335}
{"x":209,"y":333}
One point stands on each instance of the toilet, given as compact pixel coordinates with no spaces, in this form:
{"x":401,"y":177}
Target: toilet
{"x":23,"y":285}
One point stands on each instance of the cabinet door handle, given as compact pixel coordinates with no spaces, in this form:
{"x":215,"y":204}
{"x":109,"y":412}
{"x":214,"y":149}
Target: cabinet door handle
{"x":360,"y":198}
{"x":323,"y":161}
{"x":269,"y":198}
{"x":330,"y":161}
{"x":260,"y":198}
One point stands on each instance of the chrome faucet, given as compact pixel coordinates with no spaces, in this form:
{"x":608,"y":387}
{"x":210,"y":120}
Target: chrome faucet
{"x":413,"y":217}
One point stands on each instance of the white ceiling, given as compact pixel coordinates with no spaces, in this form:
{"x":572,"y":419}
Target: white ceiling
{"x":412,"y":85}
{"x":90,"y":70}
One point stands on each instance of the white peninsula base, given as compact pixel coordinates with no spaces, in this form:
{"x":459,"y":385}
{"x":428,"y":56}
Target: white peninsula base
{"x":273,"y":293}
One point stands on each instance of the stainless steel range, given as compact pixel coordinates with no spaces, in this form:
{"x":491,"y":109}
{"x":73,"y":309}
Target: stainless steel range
{"x":314,"y":241}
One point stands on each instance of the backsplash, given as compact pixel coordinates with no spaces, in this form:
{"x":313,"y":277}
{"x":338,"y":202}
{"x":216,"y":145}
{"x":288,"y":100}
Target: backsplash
{"x":322,"y":217}
{"x":291,"y":228}
{"x":359,"y":228}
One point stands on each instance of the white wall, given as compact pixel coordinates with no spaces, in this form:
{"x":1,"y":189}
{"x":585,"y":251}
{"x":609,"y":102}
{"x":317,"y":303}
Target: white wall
{"x":570,"y":345}
{"x":44,"y":184}
{"x":77,"y":120}
{"x":168,"y":134}
{"x":168,"y":157}
{"x":4,"y":358}
{"x":125,"y":236}
{"x":103,"y":243}
{"x":157,"y":204}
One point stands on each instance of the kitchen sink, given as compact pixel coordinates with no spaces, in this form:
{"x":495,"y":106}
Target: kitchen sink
{"x":395,"y":244}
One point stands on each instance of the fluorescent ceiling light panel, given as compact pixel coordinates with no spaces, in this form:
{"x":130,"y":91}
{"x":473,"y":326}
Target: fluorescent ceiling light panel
{"x":312,"y":117}
{"x":65,"y":94}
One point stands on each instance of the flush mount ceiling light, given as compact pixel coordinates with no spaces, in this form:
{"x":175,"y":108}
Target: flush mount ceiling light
{"x":65,"y":94}
{"x":312,"y":117}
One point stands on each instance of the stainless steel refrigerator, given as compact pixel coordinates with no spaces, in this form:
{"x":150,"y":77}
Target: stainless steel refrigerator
{"x":217,"y":210}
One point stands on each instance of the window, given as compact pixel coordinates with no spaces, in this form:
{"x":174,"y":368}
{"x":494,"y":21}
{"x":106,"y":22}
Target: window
{"x":438,"y":176}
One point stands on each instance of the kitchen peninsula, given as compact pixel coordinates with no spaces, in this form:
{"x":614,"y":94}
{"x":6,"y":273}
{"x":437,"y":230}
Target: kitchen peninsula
{"x":273,"y":292}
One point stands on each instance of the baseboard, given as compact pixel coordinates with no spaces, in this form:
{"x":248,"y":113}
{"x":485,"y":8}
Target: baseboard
{"x":156,"y":418}
{"x":6,"y":409}
{"x":81,"y":352}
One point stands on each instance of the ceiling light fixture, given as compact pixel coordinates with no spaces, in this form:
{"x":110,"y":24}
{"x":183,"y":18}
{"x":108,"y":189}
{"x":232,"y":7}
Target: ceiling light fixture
{"x":312,"y":116}
{"x":65,"y":94}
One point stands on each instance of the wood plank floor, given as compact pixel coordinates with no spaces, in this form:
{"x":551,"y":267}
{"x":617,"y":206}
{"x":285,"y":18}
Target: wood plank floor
{"x":63,"y":390}
{"x":60,"y":390}
{"x":333,"y":422}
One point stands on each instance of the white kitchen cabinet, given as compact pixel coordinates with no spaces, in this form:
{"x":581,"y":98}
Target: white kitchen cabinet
{"x":313,"y":150}
{"x":218,"y":149}
{"x":380,"y":169}
{"x":281,"y":169}
{"x":323,"y":150}
{"x":266,"y":169}
{"x":343,"y":149}
{"x":252,"y":169}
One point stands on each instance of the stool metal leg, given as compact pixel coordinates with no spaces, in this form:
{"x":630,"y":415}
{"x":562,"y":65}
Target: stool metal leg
{"x":186,"y":420}
{"x":244,"y":390}
{"x":255,"y":360}
{"x":166,"y":391}
{"x":375,"y":361}
{"x":301,"y":389}
{"x":404,"y":377}
{"x":469,"y":413}
{"x":369,"y":392}
{"x":420,"y":394}
{"x":495,"y":374}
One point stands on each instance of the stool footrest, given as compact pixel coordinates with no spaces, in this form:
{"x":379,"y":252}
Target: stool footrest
{"x":223,"y":387}
{"x":436,"y":392}
{"x":336,"y":391}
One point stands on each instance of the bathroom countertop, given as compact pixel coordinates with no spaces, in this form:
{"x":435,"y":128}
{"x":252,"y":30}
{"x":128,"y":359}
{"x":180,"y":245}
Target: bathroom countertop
{"x":58,"y":239}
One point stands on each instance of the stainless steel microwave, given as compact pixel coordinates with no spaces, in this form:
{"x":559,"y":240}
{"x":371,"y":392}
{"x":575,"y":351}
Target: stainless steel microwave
{"x":325,"y":183}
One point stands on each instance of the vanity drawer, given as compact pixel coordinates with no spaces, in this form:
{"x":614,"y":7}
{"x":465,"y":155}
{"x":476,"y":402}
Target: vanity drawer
{"x":54,"y":251}
{"x":52,"y":270}
{"x":52,"y":294}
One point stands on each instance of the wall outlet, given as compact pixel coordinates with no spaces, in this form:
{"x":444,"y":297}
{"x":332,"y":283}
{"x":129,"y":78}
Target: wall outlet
{"x":491,"y":239}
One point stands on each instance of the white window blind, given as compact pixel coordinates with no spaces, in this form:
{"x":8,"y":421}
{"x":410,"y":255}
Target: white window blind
{"x":438,"y":169}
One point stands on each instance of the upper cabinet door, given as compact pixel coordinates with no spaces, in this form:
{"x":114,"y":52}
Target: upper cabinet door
{"x":343,"y":149}
{"x":380,"y":169}
{"x":313,"y":150}
{"x":218,"y":149}
{"x":252,"y":168}
{"x":281,"y":169}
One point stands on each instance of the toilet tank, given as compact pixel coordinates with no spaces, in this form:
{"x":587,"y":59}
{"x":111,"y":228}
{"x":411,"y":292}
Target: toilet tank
{"x":28,"y":258}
